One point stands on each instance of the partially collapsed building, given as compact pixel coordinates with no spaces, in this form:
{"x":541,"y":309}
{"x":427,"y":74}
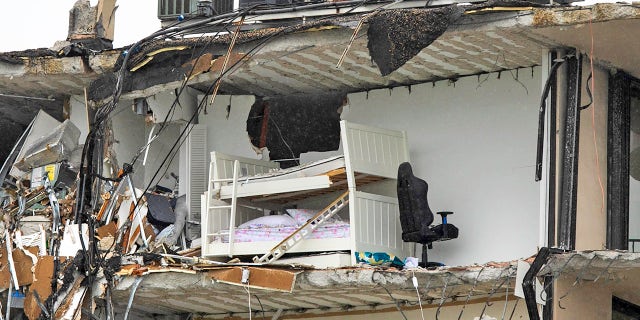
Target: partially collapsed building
{"x":250,"y":160}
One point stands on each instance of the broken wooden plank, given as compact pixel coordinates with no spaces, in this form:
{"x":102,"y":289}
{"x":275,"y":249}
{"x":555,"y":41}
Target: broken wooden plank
{"x":263,"y":278}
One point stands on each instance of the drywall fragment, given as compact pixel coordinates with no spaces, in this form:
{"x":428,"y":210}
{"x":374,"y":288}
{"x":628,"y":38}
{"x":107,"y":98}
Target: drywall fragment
{"x":24,"y":265}
{"x":105,"y":26}
{"x":5,"y":274}
{"x":56,"y":146}
{"x":41,"y":284}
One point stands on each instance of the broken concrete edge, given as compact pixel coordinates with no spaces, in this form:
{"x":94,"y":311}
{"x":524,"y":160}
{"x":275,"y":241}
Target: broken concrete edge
{"x":590,"y":265}
{"x":291,"y":279}
{"x":395,"y":37}
{"x":543,"y":16}
{"x":150,"y":55}
{"x":441,"y":287}
{"x":346,"y":22}
{"x":44,"y":61}
{"x":600,"y":12}
{"x":145,"y":50}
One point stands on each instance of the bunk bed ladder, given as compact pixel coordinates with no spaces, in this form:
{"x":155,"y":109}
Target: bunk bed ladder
{"x":232,"y":207}
{"x":281,"y":248}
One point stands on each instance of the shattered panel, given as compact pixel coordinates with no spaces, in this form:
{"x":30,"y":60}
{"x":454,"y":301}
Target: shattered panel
{"x":41,"y":284}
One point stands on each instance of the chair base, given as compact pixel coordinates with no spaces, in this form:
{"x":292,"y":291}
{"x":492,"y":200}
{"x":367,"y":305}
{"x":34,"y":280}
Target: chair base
{"x":430,"y":265}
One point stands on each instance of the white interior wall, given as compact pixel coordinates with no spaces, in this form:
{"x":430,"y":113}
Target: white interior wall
{"x":129,"y":135}
{"x":475,"y":144}
{"x":229,"y":135}
{"x":158,"y":152}
{"x":226,"y":135}
{"x":78,"y":116}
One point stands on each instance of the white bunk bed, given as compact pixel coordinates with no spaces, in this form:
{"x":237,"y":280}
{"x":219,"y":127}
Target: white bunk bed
{"x":370,"y":155}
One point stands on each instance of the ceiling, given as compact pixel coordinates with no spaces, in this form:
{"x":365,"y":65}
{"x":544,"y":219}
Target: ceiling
{"x":306,"y":61}
{"x":614,"y":42}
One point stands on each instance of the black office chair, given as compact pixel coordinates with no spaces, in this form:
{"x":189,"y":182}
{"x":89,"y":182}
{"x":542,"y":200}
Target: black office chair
{"x":416,"y":216}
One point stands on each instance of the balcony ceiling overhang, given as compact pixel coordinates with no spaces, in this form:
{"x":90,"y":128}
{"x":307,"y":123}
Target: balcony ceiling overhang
{"x":304,"y":60}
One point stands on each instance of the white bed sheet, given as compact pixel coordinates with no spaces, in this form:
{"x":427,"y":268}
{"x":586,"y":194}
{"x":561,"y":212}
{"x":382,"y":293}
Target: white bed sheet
{"x":331,"y":230}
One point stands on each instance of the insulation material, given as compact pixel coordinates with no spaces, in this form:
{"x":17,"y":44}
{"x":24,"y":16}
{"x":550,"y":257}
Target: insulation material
{"x":54,"y":147}
{"x":396,"y":36}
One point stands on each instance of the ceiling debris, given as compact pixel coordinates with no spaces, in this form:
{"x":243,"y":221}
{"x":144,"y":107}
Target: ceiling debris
{"x":396,"y":36}
{"x":591,"y":264}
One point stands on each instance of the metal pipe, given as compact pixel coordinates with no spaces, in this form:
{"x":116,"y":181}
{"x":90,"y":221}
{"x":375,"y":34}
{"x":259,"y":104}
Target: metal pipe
{"x":529,"y":281}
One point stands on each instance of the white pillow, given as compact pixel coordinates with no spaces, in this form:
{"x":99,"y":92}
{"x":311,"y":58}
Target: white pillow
{"x":269,"y":222}
{"x":301,"y":216}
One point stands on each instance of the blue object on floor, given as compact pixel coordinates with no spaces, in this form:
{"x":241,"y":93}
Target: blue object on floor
{"x":378,"y":259}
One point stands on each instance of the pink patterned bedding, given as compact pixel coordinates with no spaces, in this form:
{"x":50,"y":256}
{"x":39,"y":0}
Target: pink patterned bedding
{"x":332,"y":230}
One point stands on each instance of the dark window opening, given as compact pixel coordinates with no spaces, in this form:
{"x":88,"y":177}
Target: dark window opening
{"x":624,"y":310}
{"x":623,"y":163}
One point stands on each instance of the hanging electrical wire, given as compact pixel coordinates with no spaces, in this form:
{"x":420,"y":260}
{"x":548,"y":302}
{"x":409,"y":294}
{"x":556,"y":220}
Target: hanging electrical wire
{"x":415,"y":285}
{"x":541,"y":113}
{"x":188,"y":127}
{"x":90,"y":175}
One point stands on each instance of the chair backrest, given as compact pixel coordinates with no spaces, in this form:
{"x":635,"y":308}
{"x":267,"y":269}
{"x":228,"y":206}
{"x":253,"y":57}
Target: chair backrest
{"x":412,"y":200}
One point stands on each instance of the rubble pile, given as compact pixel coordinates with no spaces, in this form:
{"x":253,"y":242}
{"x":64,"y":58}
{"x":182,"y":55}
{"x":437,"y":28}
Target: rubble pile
{"x":51,"y":259}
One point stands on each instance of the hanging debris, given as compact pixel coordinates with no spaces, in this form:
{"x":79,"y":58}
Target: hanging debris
{"x":396,"y":36}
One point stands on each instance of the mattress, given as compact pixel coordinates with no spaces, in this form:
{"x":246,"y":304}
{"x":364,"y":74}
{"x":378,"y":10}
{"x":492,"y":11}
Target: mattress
{"x":332,"y":230}
{"x":305,"y":170}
